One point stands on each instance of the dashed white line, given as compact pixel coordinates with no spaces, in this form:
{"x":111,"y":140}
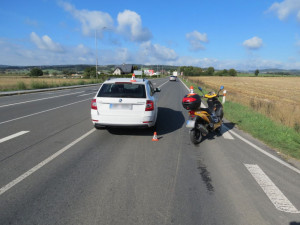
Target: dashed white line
{"x":162,"y":84}
{"x":13,"y":136}
{"x":35,"y":100}
{"x":86,"y":94}
{"x":43,"y":163}
{"x":33,"y":114}
{"x":272,"y":191}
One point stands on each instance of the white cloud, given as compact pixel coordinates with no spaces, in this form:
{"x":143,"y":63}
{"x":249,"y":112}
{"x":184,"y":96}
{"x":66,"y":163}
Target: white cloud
{"x":196,"y":39}
{"x":253,"y":43}
{"x":45,"y":43}
{"x":156,"y":54}
{"x":285,"y":8}
{"x":130,"y":25}
{"x":90,"y":20}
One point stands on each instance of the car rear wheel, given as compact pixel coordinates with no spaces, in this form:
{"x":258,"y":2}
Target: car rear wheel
{"x":98,"y":127}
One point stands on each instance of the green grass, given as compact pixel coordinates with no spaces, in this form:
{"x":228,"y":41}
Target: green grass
{"x":284,"y":139}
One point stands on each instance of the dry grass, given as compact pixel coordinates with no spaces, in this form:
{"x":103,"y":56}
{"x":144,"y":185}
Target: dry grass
{"x":276,"y":97}
{"x":17,"y":83}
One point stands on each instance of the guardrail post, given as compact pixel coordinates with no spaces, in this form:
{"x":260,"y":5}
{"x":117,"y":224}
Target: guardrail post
{"x":224,"y":96}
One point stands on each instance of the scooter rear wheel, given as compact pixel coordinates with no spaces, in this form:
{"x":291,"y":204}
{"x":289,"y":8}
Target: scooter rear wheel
{"x":195,"y":136}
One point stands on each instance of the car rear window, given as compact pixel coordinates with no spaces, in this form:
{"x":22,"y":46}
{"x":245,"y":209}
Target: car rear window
{"x":122,"y":90}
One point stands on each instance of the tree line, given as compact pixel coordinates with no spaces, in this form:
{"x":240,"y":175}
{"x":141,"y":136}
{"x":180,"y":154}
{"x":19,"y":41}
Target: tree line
{"x":210,"y":71}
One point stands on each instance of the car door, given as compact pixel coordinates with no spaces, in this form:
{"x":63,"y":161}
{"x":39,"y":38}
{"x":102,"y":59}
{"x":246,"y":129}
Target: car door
{"x":154,"y":96}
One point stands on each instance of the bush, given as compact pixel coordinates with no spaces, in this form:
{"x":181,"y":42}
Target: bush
{"x":21,"y":85}
{"x":36,"y":72}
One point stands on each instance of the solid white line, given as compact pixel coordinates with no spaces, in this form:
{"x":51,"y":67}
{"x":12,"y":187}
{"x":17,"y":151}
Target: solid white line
{"x":272,"y":191}
{"x":264,"y":152}
{"x":225,"y":133}
{"x":35,"y":100}
{"x":22,"y":117}
{"x":86,"y":94}
{"x":184,"y":85}
{"x":13,"y":136}
{"x":43,"y":163}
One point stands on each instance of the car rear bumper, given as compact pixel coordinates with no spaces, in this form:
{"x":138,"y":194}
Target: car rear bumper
{"x":146,"y":125}
{"x":113,"y":121}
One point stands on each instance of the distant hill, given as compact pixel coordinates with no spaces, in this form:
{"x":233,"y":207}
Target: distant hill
{"x":81,"y":68}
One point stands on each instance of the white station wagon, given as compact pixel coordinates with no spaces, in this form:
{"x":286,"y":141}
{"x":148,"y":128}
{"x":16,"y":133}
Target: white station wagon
{"x":125,"y":102}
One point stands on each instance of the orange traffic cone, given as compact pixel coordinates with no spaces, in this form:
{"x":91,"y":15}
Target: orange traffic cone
{"x":155,"y":137}
{"x":133,"y":78}
{"x":192,"y":90}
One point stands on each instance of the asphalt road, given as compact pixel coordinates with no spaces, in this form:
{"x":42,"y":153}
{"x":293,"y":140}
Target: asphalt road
{"x":55,"y":168}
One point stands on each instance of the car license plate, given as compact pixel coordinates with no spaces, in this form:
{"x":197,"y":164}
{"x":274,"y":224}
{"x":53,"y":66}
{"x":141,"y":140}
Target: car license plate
{"x":120,"y":106}
{"x":190,"y":123}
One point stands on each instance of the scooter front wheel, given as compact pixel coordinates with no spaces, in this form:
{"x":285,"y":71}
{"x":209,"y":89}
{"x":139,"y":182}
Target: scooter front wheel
{"x":195,"y":136}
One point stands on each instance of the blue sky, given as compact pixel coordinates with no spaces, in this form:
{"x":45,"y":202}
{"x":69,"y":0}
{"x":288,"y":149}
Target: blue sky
{"x":248,"y":34}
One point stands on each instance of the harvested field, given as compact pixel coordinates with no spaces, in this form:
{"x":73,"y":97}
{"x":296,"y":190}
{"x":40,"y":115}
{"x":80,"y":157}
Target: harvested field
{"x":18,"y":83}
{"x":276,"y":97}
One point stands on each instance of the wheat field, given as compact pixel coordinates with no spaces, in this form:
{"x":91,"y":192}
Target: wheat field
{"x":276,"y":97}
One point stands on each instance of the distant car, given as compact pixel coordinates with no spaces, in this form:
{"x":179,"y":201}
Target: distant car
{"x":173,"y":78}
{"x":123,"y":102}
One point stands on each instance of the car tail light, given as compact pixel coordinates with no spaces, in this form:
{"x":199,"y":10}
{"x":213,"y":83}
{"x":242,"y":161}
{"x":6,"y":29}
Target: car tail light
{"x":149,"y":105}
{"x":94,"y":104}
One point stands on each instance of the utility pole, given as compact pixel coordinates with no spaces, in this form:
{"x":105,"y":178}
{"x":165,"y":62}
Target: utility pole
{"x":96,"y":54}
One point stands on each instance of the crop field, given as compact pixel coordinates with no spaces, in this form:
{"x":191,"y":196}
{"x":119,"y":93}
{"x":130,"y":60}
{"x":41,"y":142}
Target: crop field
{"x":276,"y":97}
{"x":18,"y":83}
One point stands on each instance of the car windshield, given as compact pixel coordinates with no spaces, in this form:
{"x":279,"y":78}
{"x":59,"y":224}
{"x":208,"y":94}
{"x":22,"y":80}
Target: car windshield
{"x":122,"y":90}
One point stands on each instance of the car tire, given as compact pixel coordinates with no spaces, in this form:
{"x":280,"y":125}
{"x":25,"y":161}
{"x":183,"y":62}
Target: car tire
{"x":98,"y":127}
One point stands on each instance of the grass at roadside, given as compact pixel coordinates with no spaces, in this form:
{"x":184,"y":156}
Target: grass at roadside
{"x":282,"y":138}
{"x":16,"y":84}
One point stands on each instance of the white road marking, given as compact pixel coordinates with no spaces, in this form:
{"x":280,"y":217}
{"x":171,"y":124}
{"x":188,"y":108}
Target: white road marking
{"x":43,"y":163}
{"x":184,"y":85}
{"x":162,"y":84}
{"x":33,"y":114}
{"x":13,"y":136}
{"x":225,"y":133}
{"x":86,"y":94}
{"x":35,"y":100}
{"x":266,"y":153}
{"x":272,"y":191}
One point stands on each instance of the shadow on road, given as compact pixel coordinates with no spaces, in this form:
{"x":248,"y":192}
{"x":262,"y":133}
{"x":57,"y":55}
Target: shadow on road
{"x":168,"y":121}
{"x":212,"y":135}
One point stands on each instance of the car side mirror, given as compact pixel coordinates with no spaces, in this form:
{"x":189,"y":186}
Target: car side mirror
{"x":157,"y":90}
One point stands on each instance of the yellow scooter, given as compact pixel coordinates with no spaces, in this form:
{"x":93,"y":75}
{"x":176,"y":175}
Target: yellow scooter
{"x":203,"y":120}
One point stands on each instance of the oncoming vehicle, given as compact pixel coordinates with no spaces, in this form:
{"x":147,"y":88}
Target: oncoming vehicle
{"x":173,"y":78}
{"x":125,"y":102}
